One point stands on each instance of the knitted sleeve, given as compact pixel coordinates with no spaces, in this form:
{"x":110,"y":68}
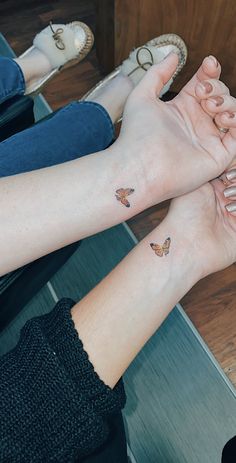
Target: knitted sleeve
{"x":53,"y":405}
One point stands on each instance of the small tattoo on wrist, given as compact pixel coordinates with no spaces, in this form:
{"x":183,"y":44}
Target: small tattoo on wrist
{"x":161,"y":250}
{"x":121,"y":195}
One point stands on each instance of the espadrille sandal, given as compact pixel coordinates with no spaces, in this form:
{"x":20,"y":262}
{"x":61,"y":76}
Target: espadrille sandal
{"x":140,"y":60}
{"x":64,"y":46}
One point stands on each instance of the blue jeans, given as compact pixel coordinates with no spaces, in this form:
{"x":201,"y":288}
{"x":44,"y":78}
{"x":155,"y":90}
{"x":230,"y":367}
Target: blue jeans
{"x":76,"y":130}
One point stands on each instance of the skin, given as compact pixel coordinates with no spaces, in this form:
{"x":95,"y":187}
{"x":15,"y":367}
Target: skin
{"x":195,"y":143}
{"x":229,"y":179}
{"x":144,"y":158}
{"x":129,"y":305}
{"x":116,"y":319}
{"x":144,"y":301}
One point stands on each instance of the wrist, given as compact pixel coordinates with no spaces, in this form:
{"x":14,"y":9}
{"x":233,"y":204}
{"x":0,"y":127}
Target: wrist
{"x":127,"y":173}
{"x":154,"y":183}
{"x":184,"y":259}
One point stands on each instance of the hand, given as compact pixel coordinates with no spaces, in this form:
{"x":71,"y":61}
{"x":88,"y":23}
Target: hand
{"x":208,"y":229}
{"x":176,"y":146}
{"x":229,"y":180}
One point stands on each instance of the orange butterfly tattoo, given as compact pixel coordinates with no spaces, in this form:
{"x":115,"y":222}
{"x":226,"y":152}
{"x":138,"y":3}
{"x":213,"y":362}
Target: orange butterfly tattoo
{"x":122,"y":194}
{"x":161,"y":250}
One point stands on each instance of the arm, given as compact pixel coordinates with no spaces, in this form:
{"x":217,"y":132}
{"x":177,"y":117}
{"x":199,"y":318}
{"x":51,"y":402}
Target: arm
{"x":159,"y":151}
{"x":117,"y":318}
{"x":113,"y":322}
{"x":47,"y":209}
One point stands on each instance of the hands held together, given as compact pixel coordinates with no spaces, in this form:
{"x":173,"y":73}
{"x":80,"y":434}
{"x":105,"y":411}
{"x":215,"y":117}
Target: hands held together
{"x":182,"y":149}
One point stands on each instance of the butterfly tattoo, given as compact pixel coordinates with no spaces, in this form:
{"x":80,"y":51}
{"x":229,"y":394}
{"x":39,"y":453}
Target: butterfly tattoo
{"x":122,"y":194}
{"x":161,"y":250}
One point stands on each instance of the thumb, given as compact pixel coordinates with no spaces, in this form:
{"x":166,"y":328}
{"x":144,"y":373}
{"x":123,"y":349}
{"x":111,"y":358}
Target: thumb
{"x":158,"y":75}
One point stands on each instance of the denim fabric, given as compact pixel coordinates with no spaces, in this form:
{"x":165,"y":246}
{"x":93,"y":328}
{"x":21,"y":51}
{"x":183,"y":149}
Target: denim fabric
{"x":12,"y":81}
{"x":78,"y":129}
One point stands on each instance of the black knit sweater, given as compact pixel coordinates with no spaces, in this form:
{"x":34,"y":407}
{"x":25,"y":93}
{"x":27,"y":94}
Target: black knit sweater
{"x":53,"y":406}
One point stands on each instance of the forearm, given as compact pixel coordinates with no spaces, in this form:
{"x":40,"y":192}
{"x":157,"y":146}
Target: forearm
{"x":117,"y":318}
{"x":47,"y":209}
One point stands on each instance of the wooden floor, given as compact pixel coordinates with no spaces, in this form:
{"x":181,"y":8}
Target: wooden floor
{"x":211,"y":304}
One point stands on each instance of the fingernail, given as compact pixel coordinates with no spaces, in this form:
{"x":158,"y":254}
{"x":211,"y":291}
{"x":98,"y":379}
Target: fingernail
{"x":231,"y":174}
{"x":223,"y":180}
{"x":231,"y":191}
{"x":231,"y":207}
{"x":217,"y":100}
{"x":207,"y":87}
{"x":230,"y":115}
{"x":216,"y":63}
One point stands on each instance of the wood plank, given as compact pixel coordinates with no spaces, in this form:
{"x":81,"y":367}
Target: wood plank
{"x":105,"y":34}
{"x":198,"y":23}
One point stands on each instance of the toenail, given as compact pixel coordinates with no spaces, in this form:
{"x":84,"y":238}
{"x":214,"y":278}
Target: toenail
{"x":217,"y":100}
{"x":207,"y":87}
{"x":216,"y":63}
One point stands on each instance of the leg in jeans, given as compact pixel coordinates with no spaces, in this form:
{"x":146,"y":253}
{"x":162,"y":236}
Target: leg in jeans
{"x":12,"y":81}
{"x":74,"y":131}
{"x":78,"y":129}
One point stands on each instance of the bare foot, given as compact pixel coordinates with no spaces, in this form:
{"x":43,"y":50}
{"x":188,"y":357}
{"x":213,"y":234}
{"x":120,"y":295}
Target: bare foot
{"x":113,"y":96}
{"x":34,"y":66}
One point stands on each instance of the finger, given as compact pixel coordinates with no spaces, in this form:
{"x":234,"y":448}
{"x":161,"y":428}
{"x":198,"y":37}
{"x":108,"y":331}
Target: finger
{"x":209,"y":69}
{"x":224,"y":177}
{"x":229,"y":202}
{"x":210,"y":88}
{"x":157,"y":76}
{"x":227,"y":120}
{"x":212,"y":95}
{"x":230,"y":193}
{"x":230,"y":175}
{"x":229,"y":139}
{"x":220,"y":104}
{"x":231,"y":207}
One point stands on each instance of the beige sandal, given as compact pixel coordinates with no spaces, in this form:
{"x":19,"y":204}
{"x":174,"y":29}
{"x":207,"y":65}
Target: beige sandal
{"x":140,"y":59}
{"x":64,"y":46}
